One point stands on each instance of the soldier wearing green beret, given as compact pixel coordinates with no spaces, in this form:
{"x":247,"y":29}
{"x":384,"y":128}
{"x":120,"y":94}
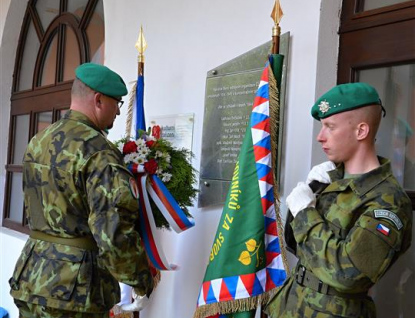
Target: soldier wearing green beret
{"x":358,"y":223}
{"x":80,"y":209}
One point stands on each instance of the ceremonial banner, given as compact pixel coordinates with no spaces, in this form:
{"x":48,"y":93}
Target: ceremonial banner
{"x":245,"y":262}
{"x":140,"y":123}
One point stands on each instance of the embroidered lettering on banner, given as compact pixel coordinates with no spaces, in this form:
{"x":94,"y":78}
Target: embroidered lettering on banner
{"x":385,"y":214}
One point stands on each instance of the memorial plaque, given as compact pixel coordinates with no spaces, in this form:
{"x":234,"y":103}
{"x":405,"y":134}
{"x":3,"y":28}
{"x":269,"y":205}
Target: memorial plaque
{"x":230,"y":91}
{"x":177,"y":129}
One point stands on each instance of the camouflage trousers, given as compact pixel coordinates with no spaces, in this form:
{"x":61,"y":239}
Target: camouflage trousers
{"x":296,"y":301}
{"x":27,"y":310}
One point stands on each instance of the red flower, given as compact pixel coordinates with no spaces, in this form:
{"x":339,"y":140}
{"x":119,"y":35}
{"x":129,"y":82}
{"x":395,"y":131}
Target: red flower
{"x":150,"y":143}
{"x":156,"y":131}
{"x":129,"y":147}
{"x":151,"y":166}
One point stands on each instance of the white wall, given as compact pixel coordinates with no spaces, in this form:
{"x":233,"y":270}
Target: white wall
{"x":328,"y":50}
{"x":186,"y":39}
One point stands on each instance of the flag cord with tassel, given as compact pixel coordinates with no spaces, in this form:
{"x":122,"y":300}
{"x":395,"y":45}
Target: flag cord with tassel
{"x":274,"y":96}
{"x":129,"y":119}
{"x":275,"y":123}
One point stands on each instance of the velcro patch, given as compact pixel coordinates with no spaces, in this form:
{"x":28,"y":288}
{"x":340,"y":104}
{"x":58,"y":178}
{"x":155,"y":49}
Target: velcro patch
{"x":383,"y":229}
{"x":386,"y":214}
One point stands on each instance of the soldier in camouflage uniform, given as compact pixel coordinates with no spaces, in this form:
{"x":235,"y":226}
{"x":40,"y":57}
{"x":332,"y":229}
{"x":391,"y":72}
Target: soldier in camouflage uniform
{"x":81,"y":210}
{"x":352,"y":231}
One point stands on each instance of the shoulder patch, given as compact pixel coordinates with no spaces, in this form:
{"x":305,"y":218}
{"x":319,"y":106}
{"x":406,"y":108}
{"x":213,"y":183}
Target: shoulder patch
{"x":389,"y":215}
{"x":383,"y":229}
{"x":134,"y":188}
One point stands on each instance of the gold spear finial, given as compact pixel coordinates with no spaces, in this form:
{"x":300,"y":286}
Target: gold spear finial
{"x":141,"y":45}
{"x":276,"y":15}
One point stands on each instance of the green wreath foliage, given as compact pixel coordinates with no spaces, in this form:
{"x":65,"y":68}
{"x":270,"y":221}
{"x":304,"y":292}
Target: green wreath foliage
{"x":183,"y":176}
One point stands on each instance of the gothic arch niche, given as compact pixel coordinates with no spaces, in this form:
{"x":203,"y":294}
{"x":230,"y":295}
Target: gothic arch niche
{"x":55,"y":37}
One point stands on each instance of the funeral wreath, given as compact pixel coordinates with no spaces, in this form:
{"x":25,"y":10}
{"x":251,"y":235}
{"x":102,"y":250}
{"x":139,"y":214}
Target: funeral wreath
{"x":156,"y":156}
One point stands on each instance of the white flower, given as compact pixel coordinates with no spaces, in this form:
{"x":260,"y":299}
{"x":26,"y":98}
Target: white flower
{"x":135,"y":158}
{"x":142,"y":155}
{"x":167,"y":157}
{"x":140,"y":142}
{"x":140,"y":160}
{"x":129,"y":158}
{"x":143,"y":151}
{"x":166,"y":177}
{"x":159,"y":154}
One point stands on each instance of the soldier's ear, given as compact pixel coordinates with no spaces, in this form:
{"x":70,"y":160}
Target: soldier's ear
{"x":97,"y":99}
{"x":362,"y":131}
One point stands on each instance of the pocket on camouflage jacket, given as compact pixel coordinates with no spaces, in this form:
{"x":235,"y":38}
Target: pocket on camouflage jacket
{"x":48,"y":270}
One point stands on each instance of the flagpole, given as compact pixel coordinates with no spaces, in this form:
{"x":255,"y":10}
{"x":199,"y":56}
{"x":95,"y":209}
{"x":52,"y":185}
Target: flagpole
{"x":276,"y":15}
{"x":141,"y":46}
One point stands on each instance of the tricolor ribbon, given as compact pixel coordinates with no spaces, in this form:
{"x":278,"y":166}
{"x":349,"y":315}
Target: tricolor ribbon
{"x":167,"y":206}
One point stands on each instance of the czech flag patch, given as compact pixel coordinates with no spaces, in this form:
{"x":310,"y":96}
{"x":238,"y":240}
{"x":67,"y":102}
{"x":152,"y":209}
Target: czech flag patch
{"x":383,"y":229}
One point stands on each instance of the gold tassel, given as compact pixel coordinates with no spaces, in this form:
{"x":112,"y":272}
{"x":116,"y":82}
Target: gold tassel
{"x":234,"y":306}
{"x":274,"y":113}
{"x":129,"y":120}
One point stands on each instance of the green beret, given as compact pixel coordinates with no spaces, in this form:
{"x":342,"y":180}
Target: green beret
{"x":101,"y":79}
{"x":345,"y":97}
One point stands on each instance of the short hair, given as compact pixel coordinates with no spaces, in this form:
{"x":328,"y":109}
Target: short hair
{"x":372,"y":115}
{"x":80,"y":89}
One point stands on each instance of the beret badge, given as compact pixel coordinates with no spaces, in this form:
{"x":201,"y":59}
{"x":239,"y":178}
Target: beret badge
{"x":324,"y":106}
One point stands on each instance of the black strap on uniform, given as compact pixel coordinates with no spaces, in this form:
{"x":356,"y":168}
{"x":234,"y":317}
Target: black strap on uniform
{"x":306,"y":278}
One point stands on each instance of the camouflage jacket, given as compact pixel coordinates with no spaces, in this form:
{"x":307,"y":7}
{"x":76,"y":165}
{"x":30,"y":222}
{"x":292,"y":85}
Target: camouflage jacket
{"x":358,"y":229}
{"x":75,"y":185}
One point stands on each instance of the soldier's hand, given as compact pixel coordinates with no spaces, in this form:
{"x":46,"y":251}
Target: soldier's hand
{"x":320,"y":172}
{"x":301,"y":197}
{"x":138,"y":304}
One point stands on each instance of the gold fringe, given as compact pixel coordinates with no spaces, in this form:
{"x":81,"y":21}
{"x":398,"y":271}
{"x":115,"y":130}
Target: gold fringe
{"x":233,"y":306}
{"x":274,"y":113}
{"x":129,"y":120}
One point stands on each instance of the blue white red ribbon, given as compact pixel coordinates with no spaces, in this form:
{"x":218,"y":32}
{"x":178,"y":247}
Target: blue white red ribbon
{"x":167,"y":206}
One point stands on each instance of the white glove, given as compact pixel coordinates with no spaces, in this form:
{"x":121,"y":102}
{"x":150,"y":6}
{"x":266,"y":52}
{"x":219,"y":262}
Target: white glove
{"x":138,"y":304}
{"x":126,"y":294}
{"x":301,"y":197}
{"x":320,"y":172}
